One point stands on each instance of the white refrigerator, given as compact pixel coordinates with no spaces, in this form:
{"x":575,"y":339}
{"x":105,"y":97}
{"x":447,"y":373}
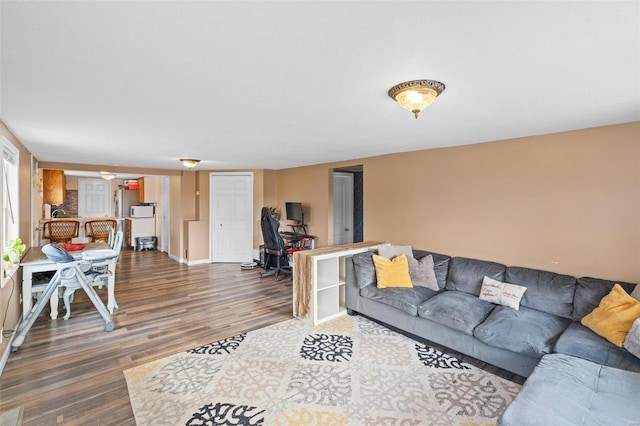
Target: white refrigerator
{"x":123,"y":200}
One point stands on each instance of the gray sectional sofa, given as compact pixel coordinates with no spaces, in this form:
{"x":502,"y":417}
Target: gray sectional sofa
{"x":547,"y":322}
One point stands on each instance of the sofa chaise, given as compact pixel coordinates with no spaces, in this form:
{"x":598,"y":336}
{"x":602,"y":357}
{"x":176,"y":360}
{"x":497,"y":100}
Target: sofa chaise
{"x":547,"y":322}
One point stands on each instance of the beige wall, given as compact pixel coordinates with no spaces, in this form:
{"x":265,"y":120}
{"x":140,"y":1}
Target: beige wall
{"x":263,"y":195}
{"x":10,"y":294}
{"x":566,"y":202}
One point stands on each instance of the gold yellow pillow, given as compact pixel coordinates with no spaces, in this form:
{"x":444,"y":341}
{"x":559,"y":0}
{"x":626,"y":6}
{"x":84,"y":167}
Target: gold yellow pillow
{"x":614,"y":316}
{"x":392,"y":272}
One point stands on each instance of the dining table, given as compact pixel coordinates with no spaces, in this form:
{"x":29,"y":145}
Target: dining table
{"x":34,"y":261}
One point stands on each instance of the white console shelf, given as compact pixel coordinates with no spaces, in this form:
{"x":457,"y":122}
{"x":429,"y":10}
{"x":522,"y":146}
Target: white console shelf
{"x":322,"y":271}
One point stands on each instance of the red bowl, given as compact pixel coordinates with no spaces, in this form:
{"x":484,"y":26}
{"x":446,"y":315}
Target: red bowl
{"x":73,"y":246}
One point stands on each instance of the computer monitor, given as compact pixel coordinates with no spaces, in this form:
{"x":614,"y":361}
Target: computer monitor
{"x":294,"y":212}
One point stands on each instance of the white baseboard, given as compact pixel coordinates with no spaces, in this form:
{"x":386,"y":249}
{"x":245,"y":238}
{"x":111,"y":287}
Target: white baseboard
{"x":197,"y":262}
{"x":188,"y":262}
{"x":176,"y":258}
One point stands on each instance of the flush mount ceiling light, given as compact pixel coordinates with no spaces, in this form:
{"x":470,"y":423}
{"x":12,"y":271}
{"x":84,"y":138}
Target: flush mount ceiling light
{"x":189,"y":163}
{"x":416,"y":95}
{"x":107,"y":176}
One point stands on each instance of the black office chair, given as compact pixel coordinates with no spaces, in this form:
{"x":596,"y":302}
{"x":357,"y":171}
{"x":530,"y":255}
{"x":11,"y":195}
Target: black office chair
{"x":274,"y":247}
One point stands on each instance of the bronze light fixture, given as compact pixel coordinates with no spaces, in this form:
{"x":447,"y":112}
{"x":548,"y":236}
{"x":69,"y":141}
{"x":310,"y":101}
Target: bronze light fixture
{"x":189,"y":163}
{"x":416,"y":95}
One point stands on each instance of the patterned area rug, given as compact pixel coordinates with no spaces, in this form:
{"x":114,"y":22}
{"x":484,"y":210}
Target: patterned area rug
{"x":347,"y":371}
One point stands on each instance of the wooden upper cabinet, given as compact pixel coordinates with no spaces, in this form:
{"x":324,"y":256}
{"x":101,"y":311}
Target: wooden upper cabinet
{"x":141,"y":190}
{"x":147,"y":189}
{"x":53,"y":186}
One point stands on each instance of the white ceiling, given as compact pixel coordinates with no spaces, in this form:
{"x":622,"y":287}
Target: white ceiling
{"x":269,"y":84}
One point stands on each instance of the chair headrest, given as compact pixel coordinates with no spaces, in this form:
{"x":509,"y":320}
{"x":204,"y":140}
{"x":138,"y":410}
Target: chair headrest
{"x":57,"y":254}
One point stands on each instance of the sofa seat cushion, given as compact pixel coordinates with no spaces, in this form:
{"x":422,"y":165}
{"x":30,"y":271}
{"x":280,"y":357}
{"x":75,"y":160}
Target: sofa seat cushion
{"x":579,"y":341}
{"x":564,"y":390}
{"x":456,"y":309}
{"x":404,"y":298}
{"x":526,"y":331}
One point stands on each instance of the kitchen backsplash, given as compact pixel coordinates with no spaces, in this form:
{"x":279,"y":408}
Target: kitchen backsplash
{"x":70,"y":205}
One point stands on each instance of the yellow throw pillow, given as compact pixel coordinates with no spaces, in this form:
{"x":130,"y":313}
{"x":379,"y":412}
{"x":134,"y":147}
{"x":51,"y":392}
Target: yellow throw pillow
{"x":392,"y":272}
{"x":614,"y":316}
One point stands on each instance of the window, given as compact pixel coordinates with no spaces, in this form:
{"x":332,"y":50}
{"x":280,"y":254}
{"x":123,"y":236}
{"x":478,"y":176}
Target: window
{"x":10,"y":190}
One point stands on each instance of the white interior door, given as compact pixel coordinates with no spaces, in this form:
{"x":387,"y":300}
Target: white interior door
{"x":94,"y":198}
{"x":342,"y":208}
{"x":231,"y":220}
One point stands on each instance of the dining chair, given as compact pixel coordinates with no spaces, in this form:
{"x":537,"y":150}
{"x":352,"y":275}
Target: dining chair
{"x":110,"y":239}
{"x":60,"y":231}
{"x":98,"y":230}
{"x":105,"y":272}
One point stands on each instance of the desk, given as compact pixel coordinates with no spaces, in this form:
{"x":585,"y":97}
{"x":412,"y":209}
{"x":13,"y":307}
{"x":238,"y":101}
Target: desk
{"x":36,"y":261}
{"x":299,"y":241}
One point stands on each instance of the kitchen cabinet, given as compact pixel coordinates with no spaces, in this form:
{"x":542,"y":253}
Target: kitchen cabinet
{"x":138,"y":227}
{"x":147,"y":189}
{"x":53,"y":187}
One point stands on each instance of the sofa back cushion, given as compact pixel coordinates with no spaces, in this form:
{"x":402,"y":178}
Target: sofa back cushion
{"x":364,"y":269}
{"x":546,"y":291}
{"x":467,"y":274}
{"x":589,"y":292}
{"x":440,"y":265}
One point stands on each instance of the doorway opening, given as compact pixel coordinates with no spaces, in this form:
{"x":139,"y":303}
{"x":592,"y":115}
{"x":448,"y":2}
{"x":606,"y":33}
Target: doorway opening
{"x":348,"y":200}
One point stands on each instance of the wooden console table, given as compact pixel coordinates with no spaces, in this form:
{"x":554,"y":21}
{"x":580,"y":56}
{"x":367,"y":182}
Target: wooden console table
{"x":319,"y":280}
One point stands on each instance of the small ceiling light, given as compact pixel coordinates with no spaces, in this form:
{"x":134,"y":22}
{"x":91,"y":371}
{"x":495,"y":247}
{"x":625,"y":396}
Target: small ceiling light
{"x":107,"y":176}
{"x":416,"y":95}
{"x":189,"y":163}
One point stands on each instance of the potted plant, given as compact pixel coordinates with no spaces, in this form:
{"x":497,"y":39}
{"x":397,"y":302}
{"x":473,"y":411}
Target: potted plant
{"x":12,"y":252}
{"x":274,"y":213}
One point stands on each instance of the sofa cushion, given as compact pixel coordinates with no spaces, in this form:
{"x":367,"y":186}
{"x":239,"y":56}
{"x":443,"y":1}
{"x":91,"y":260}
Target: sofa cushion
{"x":364,"y":269}
{"x":563,"y":390}
{"x":614,"y":316}
{"x":635,"y":293}
{"x":467,"y":274}
{"x":527,"y":331}
{"x":392,"y":272}
{"x":405,"y":299}
{"x":421,"y":270}
{"x":390,"y":251}
{"x":440,"y":265}
{"x":578,"y":340}
{"x":456,"y":309}
{"x":632,"y":341}
{"x":500,"y":293}
{"x":546,"y":291}
{"x":589,"y":292}
{"x":422,"y":273}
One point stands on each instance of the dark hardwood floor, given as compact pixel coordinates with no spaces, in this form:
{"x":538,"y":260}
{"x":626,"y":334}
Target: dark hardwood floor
{"x":70,"y":372}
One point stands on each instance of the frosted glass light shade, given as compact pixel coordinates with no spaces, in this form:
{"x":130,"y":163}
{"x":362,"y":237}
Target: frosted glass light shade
{"x":416,"y":95}
{"x":189,"y":163}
